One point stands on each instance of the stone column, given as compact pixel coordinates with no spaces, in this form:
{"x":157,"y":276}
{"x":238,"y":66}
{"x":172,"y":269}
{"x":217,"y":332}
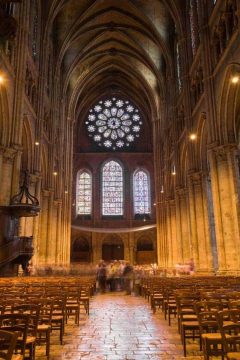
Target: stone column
{"x":174,"y":250}
{"x":182,"y":217}
{"x":97,"y":248}
{"x":131,"y":248}
{"x":224,"y":170}
{"x":36,"y":221}
{"x":43,"y":237}
{"x":127,"y":250}
{"x":199,"y":222}
{"x":6,"y":178}
{"x":59,"y":234}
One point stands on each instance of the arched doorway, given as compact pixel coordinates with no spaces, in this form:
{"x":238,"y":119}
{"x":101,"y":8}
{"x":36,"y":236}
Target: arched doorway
{"x":145,"y":251}
{"x":112,"y":249}
{"x":80,"y":250}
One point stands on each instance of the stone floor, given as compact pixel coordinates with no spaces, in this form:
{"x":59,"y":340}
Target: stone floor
{"x":119,"y":327}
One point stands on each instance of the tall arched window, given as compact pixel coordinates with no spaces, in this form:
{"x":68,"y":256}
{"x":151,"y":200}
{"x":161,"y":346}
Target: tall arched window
{"x":84,"y":193}
{"x":141,"y":192}
{"x":194,"y":30}
{"x":178,"y":68}
{"x":34,"y":30}
{"x":112,"y":189}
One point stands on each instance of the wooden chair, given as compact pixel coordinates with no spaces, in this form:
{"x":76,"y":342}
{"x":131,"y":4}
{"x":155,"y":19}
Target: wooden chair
{"x":8,"y":341}
{"x":230,"y":334}
{"x":211,"y":338}
{"x":44,"y":323}
{"x":33,"y":311}
{"x":84,"y":299}
{"x":58,"y":315}
{"x":73,"y":305}
{"x":17,"y":323}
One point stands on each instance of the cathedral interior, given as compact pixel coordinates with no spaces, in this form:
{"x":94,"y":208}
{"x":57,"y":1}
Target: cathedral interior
{"x":119,"y":179}
{"x":119,"y":133}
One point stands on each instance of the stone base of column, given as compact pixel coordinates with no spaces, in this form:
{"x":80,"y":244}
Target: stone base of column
{"x":228,"y":272}
{"x":204,"y":272}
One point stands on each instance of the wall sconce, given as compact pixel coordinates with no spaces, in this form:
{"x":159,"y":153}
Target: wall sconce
{"x":235,"y":79}
{"x":55,"y":173}
{"x":192,"y":136}
{"x":173,"y":170}
{"x":2,"y":79}
{"x":37,"y":143}
{"x":162,"y":190}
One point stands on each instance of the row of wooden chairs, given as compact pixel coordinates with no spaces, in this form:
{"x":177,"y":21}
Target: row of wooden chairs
{"x":193,"y":304}
{"x":34,"y":310}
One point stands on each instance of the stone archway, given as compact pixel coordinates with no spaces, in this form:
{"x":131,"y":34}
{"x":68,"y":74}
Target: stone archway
{"x":112,"y":248}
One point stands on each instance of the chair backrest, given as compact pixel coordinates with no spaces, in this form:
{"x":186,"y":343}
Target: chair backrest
{"x":230,"y":331}
{"x":208,"y":322}
{"x":33,"y":310}
{"x":17,"y":323}
{"x":8,"y":342}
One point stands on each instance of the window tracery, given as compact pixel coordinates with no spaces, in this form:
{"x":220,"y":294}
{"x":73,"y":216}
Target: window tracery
{"x":112,"y":189}
{"x":141,"y":186}
{"x":114,"y":124}
{"x":84,"y":193}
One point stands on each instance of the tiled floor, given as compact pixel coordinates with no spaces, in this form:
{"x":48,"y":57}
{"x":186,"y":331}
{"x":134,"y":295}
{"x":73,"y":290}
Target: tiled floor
{"x":119,"y":327}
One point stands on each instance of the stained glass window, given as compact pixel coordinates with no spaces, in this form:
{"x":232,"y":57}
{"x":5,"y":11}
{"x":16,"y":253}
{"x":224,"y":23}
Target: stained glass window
{"x":193,"y":16}
{"x":113,"y":124}
{"x":112,"y":189}
{"x":84,"y":193}
{"x":34,"y":30}
{"x":141,"y":186}
{"x":178,"y":68}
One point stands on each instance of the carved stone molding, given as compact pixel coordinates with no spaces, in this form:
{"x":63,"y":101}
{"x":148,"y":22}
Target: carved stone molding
{"x":221,"y":152}
{"x":181,"y":191}
{"x":9,"y":155}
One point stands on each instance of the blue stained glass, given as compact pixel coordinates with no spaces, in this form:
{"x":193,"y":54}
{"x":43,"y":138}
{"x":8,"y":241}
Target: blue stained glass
{"x":141,"y":193}
{"x":112,"y":189}
{"x":84,"y":193}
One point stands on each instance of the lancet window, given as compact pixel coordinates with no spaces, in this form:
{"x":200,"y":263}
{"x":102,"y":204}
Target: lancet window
{"x":84,"y":193}
{"x":141,"y":188}
{"x":112,"y":189}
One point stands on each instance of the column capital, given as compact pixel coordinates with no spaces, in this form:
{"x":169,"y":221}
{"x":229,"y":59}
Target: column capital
{"x":181,"y":191}
{"x":9,"y":154}
{"x":220,"y":152}
{"x":196,"y":176}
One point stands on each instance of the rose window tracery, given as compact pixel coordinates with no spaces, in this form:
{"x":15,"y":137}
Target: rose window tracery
{"x":114,"y":124}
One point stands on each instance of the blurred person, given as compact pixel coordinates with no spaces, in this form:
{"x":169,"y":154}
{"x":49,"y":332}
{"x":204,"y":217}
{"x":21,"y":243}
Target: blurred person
{"x":102,"y":277}
{"x":128,"y":278}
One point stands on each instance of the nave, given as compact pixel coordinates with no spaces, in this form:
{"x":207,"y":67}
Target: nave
{"x":119,"y":327}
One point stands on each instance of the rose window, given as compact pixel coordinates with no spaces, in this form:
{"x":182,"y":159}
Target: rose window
{"x":114,"y":124}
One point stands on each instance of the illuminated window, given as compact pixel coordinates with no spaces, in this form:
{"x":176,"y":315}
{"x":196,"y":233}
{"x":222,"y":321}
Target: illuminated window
{"x":141,"y":188}
{"x":179,"y":80}
{"x":113,"y":124}
{"x":84,"y":193}
{"x":112,"y":189}
{"x":193,"y":16}
{"x":33,"y":30}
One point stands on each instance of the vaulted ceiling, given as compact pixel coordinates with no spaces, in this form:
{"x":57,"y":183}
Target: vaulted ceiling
{"x":119,"y":46}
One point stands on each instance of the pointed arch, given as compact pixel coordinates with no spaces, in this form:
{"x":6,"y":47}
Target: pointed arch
{"x":112,"y":188}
